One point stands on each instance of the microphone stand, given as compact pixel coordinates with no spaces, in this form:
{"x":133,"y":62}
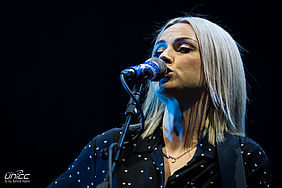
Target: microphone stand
{"x":131,"y":111}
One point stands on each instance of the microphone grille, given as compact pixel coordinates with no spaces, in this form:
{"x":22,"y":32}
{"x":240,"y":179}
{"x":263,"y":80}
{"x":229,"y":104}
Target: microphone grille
{"x":162,"y":68}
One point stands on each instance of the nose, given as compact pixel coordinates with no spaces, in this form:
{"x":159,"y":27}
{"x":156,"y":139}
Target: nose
{"x":168,"y":59}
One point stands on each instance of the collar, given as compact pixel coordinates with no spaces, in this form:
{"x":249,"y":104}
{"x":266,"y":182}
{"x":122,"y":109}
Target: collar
{"x":205,"y":149}
{"x":150,"y":143}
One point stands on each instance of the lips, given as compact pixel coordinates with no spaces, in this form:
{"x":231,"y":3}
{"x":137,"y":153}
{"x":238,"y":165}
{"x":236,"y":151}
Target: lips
{"x":169,"y":73}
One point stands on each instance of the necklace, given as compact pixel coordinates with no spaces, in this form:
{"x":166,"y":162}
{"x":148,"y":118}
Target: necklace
{"x":173,"y":159}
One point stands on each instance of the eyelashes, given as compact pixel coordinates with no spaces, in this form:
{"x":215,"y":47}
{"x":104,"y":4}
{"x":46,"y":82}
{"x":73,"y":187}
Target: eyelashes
{"x":182,"y":45}
{"x":183,"y":49}
{"x":159,"y":51}
{"x":160,"y":48}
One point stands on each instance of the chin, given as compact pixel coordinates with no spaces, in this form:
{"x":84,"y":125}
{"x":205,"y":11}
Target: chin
{"x":167,"y":90}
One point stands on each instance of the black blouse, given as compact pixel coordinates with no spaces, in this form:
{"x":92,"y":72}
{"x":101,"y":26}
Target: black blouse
{"x":142,"y":165}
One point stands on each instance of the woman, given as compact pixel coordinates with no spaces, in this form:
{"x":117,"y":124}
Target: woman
{"x":194,"y":120}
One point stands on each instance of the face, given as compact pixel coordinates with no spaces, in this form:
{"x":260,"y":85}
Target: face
{"x":178,"y":47}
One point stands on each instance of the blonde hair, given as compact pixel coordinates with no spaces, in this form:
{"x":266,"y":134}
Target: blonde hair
{"x":225,"y":78}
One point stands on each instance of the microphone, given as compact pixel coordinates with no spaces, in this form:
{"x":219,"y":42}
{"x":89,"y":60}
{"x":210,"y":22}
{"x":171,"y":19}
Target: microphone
{"x":153,"y":69}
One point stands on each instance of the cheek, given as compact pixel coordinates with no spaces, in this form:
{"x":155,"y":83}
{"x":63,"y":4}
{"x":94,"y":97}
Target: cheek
{"x":190,"y":70}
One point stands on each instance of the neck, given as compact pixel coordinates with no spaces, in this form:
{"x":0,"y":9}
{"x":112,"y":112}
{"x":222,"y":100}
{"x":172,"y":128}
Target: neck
{"x":182,"y":122}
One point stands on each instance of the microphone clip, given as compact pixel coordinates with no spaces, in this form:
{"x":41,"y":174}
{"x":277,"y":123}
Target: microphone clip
{"x":131,"y":106}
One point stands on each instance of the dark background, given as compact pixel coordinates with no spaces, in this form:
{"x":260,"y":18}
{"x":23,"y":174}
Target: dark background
{"x":60,"y":71}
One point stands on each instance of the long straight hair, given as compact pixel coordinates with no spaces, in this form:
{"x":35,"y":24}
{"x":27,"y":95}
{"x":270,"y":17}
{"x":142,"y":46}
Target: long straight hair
{"x":224,"y":76}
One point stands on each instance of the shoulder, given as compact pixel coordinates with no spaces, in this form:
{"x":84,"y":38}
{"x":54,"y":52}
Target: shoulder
{"x":252,"y":151}
{"x":105,"y":140}
{"x":84,"y":168}
{"x":256,"y":163}
{"x":111,"y":136}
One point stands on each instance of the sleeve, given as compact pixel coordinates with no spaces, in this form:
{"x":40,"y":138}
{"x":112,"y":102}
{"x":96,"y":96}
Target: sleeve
{"x":257,"y":165}
{"x":81,"y":172}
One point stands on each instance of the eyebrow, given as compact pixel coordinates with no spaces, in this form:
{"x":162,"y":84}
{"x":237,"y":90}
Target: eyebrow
{"x":178,"y":40}
{"x":160,"y":41}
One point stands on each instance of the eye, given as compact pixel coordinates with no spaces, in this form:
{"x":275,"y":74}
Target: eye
{"x":184,"y":50}
{"x":159,"y":51}
{"x":157,"y":54}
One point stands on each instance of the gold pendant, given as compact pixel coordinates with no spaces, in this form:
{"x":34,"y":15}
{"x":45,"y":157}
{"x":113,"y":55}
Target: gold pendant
{"x":173,"y":160}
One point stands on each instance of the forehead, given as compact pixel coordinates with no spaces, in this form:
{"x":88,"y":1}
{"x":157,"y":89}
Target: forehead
{"x":178,"y":30}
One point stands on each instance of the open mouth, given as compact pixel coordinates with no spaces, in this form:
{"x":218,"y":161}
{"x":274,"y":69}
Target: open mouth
{"x":169,"y":73}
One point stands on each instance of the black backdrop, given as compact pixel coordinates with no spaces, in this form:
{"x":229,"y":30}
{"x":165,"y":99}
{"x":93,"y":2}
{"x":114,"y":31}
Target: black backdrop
{"x":61,"y":73}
